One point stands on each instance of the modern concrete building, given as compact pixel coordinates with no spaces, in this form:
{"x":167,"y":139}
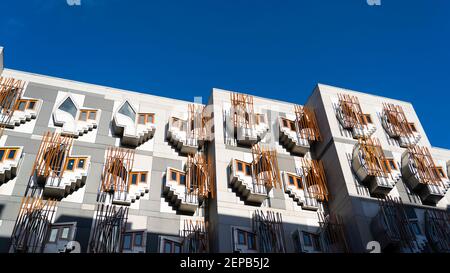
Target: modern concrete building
{"x":96,"y":169}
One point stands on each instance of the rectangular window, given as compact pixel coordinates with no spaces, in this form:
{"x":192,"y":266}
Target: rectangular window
{"x":440,"y":172}
{"x":240,"y":167}
{"x":81,"y":163}
{"x":176,"y":247}
{"x":182,"y":179}
{"x":138,"y":239}
{"x":285,"y":123}
{"x":2,"y":154}
{"x":251,"y":242}
{"x":307,"y":239}
{"x":150,"y":118}
{"x":31,"y":105}
{"x":391,"y":164}
{"x":368,"y":118}
{"x":22,"y":105}
{"x":242,"y":237}
{"x":292,"y":125}
{"x":415,"y":228}
{"x":167,"y":246}
{"x":413,"y":127}
{"x":70,"y":164}
{"x":83,"y":115}
{"x":134,"y":179}
{"x":127,"y":241}
{"x":316,"y":242}
{"x":53,"y":235}
{"x":11,"y":154}
{"x":92,"y":115}
{"x":299,"y":183}
{"x":291,"y":180}
{"x":173,"y":175}
{"x":143,"y":178}
{"x":248,"y":169}
{"x":141,"y":119}
{"x":65,"y":233}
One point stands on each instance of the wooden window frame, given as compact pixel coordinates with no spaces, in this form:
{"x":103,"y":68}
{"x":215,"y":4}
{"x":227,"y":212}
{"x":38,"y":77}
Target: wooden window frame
{"x":179,"y":174}
{"x":75,"y":164}
{"x":297,"y":181}
{"x":6,"y":154}
{"x":28,"y":104}
{"x":368,"y":118}
{"x":440,"y":172}
{"x":88,"y":112}
{"x":245,"y":167}
{"x":139,"y":176}
{"x":413,"y":127}
{"x":133,"y":239}
{"x":147,"y":117}
{"x":389,"y":165}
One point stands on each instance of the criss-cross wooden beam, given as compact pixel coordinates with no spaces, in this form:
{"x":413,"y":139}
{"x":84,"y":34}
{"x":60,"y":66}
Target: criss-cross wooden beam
{"x":307,"y":127}
{"x":425,"y":166}
{"x":399,"y":123}
{"x":10,"y":92}
{"x":265,"y":166}
{"x":351,"y":109}
{"x":242,"y":111}
{"x":119,"y":163}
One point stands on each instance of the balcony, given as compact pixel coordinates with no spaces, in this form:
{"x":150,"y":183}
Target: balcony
{"x":351,"y":117}
{"x":10,"y":158}
{"x":133,"y":128}
{"x":60,"y":185}
{"x":396,"y":125}
{"x":187,"y":141}
{"x":422,"y":176}
{"x":244,"y":183}
{"x":74,"y":120}
{"x":178,"y":194}
{"x":25,"y":110}
{"x":372,"y":168}
{"x":294,"y":142}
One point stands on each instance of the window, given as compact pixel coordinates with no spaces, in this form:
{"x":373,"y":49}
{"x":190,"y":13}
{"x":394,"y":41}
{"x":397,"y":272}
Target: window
{"x":182,"y":179}
{"x":65,"y":233}
{"x":390,"y":163}
{"x":316,"y":242}
{"x":307,"y":239}
{"x":11,"y":154}
{"x":174,"y":176}
{"x":128,"y":111}
{"x":440,"y":172}
{"x":368,"y":118}
{"x":133,"y":239}
{"x":242,"y":238}
{"x":178,"y":176}
{"x":127,"y":245}
{"x":87,"y":115}
{"x":251,"y":242}
{"x":53,"y":235}
{"x":81,"y":163}
{"x":285,"y":123}
{"x":295,"y":181}
{"x":70,"y":164}
{"x":240,"y":167}
{"x":69,"y":106}
{"x":171,"y":246}
{"x":412,"y":126}
{"x":291,"y":180}
{"x":22,"y":105}
{"x":139,"y":177}
{"x":141,"y":119}
{"x":248,"y":169}
{"x":2,"y":154}
{"x":311,"y":240}
{"x":31,"y":104}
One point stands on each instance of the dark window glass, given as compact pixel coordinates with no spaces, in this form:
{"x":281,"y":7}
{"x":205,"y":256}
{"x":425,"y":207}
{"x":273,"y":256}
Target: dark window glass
{"x":69,"y":107}
{"x":291,"y":180}
{"x":141,"y":119}
{"x":174,"y":176}
{"x":127,"y":241}
{"x":31,"y":105}
{"x":182,"y":179}
{"x":416,"y":228}
{"x":11,"y":154}
{"x":176,"y":248}
{"x":285,"y":123}
{"x":299,"y":183}
{"x":316,"y":242}
{"x":392,"y":164}
{"x":143,"y":177}
{"x":167,"y":246}
{"x":150,"y":118}
{"x":2,"y":153}
{"x":248,"y":169}
{"x":70,"y":164}
{"x":138,"y":239}
{"x":241,"y":237}
{"x":307,"y":239}
{"x":134,"y":179}
{"x":240,"y":168}
{"x":83,"y":115}
{"x":81,"y":163}
{"x":251,"y":241}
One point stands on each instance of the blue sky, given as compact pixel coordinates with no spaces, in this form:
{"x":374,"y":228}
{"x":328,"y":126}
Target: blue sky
{"x":278,"y":49}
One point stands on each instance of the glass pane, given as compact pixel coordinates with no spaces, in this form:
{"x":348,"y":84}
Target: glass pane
{"x":248,"y":169}
{"x":81,"y":163}
{"x":240,"y":168}
{"x":251,"y":241}
{"x":177,"y":248}
{"x":53,"y":234}
{"x":134,"y":179}
{"x":307,"y":239}
{"x":174,"y":176}
{"x":141,"y":119}
{"x":11,"y":154}
{"x":241,"y":238}
{"x":70,"y":164}
{"x":127,"y":241}
{"x":65,"y":233}
{"x":22,"y":105}
{"x":316,"y":243}
{"x":167,"y":247}
{"x":92,"y":115}
{"x":182,"y":179}
{"x":2,"y":153}
{"x":291,"y":180}
{"x":150,"y":118}
{"x":128,"y":111}
{"x":31,"y":105}
{"x":69,"y":107}
{"x":143,"y":177}
{"x":138,"y":239}
{"x":83,"y":115}
{"x":299,"y":183}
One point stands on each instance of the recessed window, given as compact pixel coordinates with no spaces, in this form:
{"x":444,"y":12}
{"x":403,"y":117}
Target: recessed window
{"x":2,"y":154}
{"x":69,"y":106}
{"x":31,"y":105}
{"x":141,"y":119}
{"x":134,"y":179}
{"x":92,"y":115}
{"x":412,"y":126}
{"x":12,"y":154}
{"x":53,"y":235}
{"x":285,"y":123}
{"x":70,"y":164}
{"x":172,"y":247}
{"x":22,"y":105}
{"x":173,"y":175}
{"x":291,"y":180}
{"x":81,"y":163}
{"x":83,"y":115}
{"x":240,"y":167}
{"x":242,"y":237}
{"x":182,"y":179}
{"x":248,"y":169}
{"x":127,"y":241}
{"x":143,"y":177}
{"x":390,"y":162}
{"x":65,"y":233}
{"x":251,"y":242}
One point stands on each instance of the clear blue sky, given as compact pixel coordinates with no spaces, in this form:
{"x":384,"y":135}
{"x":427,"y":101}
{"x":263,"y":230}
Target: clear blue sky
{"x":278,"y":49}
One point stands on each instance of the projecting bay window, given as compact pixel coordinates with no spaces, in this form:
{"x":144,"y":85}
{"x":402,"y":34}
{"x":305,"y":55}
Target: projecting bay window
{"x":138,"y":177}
{"x":23,"y":105}
{"x":244,"y":167}
{"x":295,"y":181}
{"x":86,"y":115}
{"x":8,"y":154}
{"x":145,"y":118}
{"x":178,"y":177}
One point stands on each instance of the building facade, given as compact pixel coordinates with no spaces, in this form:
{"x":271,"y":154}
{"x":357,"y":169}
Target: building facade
{"x":87,"y":168}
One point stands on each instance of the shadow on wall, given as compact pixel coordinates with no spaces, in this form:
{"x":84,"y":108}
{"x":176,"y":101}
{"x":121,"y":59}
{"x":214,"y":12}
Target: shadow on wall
{"x":4,"y":241}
